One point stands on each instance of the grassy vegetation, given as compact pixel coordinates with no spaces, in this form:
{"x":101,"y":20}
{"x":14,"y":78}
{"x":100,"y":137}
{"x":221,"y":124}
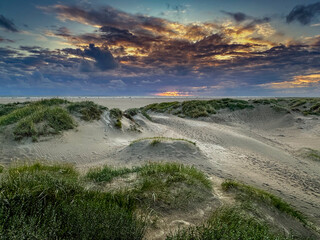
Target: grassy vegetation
{"x":159,"y":185}
{"x":88,"y":110}
{"x":170,"y":186}
{"x":156,"y":140}
{"x":197,"y":108}
{"x":54,"y":120}
{"x":311,"y":154}
{"x":228,"y":223}
{"x":116,"y":114}
{"x":48,"y":202}
{"x":246,"y":193}
{"x":131,"y":112}
{"x":107,"y":174}
{"x":306,"y":106}
{"x":45,"y":117}
{"x":8,"y":108}
{"x":205,"y":108}
{"x":53,"y":201}
{"x":146,"y":115}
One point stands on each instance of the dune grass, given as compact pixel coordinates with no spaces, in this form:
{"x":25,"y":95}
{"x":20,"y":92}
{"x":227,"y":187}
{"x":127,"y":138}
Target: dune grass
{"x":159,"y":185}
{"x":311,"y":154}
{"x":306,"y":106}
{"x":54,"y":120}
{"x":156,"y":140}
{"x":48,"y":202}
{"x":228,"y":223}
{"x":206,"y":108}
{"x":170,"y":187}
{"x":46,"y":117}
{"x":88,"y":110}
{"x":10,"y":107}
{"x":53,"y":201}
{"x":245,"y":193}
{"x":107,"y":174}
{"x":197,"y":108}
{"x":116,"y":114}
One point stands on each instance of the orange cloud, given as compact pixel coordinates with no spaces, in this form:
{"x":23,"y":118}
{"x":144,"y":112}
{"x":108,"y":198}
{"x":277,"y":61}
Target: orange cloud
{"x":301,"y":81}
{"x":173,"y":94}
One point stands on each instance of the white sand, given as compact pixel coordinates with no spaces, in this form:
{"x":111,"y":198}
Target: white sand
{"x":258,"y":147}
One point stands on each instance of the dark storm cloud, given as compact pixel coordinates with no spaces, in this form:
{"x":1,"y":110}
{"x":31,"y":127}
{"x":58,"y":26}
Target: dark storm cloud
{"x":103,"y":58}
{"x":304,"y":13}
{"x":238,"y":16}
{"x":241,"y":17}
{"x":5,"y":40}
{"x":109,"y":16}
{"x":7,"y":24}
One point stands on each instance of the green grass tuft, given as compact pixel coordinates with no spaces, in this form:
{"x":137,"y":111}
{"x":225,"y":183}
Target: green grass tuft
{"x":156,"y":140}
{"x":47,"y":202}
{"x":170,"y":186}
{"x":54,"y":120}
{"x":228,"y":223}
{"x":45,"y":117}
{"x":246,"y":192}
{"x":160,"y":185}
{"x":116,"y":114}
{"x":146,"y":115}
{"x":311,"y":154}
{"x":107,"y":174}
{"x":88,"y":110}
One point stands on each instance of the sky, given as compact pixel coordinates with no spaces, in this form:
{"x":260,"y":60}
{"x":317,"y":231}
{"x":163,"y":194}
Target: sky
{"x":160,"y":48}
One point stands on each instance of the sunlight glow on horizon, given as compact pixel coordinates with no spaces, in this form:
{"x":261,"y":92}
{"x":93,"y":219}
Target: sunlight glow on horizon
{"x":173,"y":94}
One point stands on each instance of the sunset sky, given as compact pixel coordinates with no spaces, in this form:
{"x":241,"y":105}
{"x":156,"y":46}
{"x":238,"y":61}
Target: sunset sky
{"x":160,"y":48}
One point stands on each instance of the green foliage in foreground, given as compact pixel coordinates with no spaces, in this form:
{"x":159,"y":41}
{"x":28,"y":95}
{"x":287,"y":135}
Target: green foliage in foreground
{"x":40,"y":201}
{"x":229,"y":224}
{"x":248,"y":192}
{"x":107,"y":174}
{"x":155,"y":140}
{"x":160,"y":185}
{"x":48,"y":202}
{"x":45,"y":117}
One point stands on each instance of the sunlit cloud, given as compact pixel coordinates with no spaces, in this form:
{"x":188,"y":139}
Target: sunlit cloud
{"x":302,"y":81}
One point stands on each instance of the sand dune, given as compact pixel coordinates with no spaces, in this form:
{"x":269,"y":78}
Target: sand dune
{"x":257,"y":146}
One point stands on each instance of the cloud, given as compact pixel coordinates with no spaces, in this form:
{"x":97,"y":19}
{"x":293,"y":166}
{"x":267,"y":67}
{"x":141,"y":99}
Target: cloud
{"x":117,"y":84}
{"x":304,"y":14}
{"x":5,"y":40}
{"x":103,"y":58}
{"x":238,"y":16}
{"x":300,"y":81}
{"x":108,"y":16}
{"x":155,"y":55}
{"x":7,"y":24}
